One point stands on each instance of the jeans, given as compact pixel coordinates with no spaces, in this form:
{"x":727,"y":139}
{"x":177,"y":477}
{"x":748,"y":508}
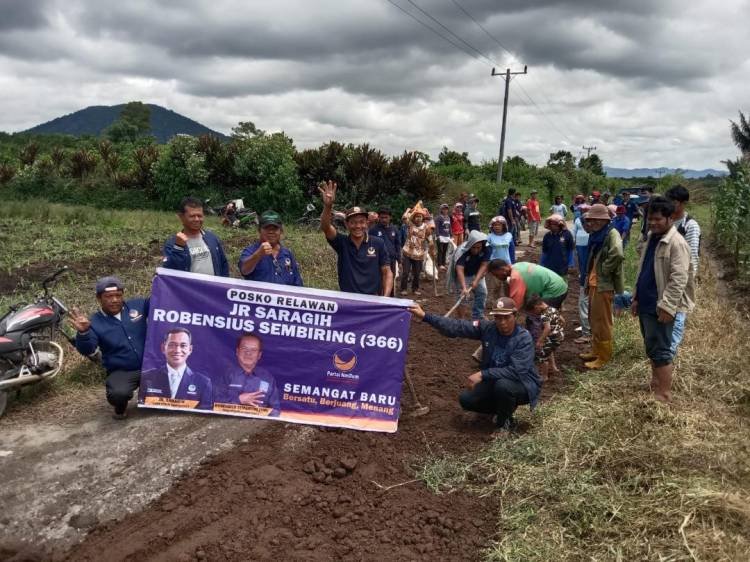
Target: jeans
{"x":500,"y":397}
{"x":583,"y":312}
{"x":678,"y":331}
{"x":480,"y":297}
{"x":120,"y":386}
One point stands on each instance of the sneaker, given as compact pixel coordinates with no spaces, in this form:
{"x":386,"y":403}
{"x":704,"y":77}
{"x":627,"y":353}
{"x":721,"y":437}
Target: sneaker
{"x":120,"y":417}
{"x":582,"y":340}
{"x":417,"y":293}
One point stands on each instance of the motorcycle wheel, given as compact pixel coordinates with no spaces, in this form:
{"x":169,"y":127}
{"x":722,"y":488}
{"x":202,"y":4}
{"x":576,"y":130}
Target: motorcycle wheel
{"x":3,"y":401}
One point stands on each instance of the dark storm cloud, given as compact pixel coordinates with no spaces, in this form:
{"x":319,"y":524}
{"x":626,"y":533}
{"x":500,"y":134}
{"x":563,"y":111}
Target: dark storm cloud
{"x":628,"y":40}
{"x":22,"y":14}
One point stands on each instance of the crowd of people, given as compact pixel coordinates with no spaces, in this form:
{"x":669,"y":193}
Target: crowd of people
{"x":514,"y":359}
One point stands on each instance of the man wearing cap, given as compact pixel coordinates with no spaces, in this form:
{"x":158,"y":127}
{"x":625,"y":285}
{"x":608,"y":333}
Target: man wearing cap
{"x":535,"y":217}
{"x":604,"y":278}
{"x":525,"y":279}
{"x":390,"y":236}
{"x":115,"y":335}
{"x":363,"y":264}
{"x":507,"y":377}
{"x":194,"y":249}
{"x":596,"y":197}
{"x":267,"y":260}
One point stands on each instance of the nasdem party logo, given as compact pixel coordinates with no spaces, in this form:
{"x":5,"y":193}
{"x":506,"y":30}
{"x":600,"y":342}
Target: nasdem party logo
{"x":344,"y":359}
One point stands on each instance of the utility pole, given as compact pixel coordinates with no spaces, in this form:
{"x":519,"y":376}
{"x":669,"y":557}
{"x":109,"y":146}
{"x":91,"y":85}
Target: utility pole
{"x":588,"y":150}
{"x":506,"y":75}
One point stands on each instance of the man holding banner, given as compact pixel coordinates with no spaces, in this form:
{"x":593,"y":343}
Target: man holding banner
{"x":249,"y":385}
{"x":507,"y":377}
{"x":363,"y":263}
{"x":176,"y":384}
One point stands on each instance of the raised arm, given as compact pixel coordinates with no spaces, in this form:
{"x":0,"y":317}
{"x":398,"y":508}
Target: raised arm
{"x":328,"y":194}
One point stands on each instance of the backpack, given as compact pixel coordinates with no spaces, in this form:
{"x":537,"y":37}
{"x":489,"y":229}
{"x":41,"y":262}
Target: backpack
{"x":682,"y":229}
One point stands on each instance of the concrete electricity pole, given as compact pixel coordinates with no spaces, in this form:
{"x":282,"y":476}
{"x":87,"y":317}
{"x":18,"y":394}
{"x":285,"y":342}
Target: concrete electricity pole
{"x":506,"y":75}
{"x":588,"y":150}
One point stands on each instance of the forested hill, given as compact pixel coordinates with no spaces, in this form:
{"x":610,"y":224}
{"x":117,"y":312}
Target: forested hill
{"x":165,"y":123}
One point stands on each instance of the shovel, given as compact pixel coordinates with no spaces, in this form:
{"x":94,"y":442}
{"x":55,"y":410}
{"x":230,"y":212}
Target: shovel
{"x":420,"y":410}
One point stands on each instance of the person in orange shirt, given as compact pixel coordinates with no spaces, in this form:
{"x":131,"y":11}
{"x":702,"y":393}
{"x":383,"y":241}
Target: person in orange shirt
{"x":532,"y":209}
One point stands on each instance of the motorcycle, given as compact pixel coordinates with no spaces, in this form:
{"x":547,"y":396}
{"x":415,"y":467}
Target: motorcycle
{"x":28,"y":354}
{"x":311,"y":217}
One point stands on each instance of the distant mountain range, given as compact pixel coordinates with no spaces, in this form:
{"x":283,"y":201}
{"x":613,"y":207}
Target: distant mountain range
{"x":658,"y":172}
{"x":93,"y":120}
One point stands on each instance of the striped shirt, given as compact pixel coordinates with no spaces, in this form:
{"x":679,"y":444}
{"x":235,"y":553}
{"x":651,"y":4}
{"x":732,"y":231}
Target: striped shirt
{"x":692,"y":237}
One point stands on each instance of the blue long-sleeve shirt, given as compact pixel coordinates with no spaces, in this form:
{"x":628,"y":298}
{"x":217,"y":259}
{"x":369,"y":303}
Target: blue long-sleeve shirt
{"x":178,"y":257}
{"x":120,"y":341}
{"x":558,"y":250}
{"x":503,"y":357}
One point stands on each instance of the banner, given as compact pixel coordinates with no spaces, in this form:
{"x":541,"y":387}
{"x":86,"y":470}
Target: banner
{"x":260,"y":350}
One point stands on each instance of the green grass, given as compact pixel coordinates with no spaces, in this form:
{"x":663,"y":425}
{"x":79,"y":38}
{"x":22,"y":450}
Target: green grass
{"x":607,"y":473}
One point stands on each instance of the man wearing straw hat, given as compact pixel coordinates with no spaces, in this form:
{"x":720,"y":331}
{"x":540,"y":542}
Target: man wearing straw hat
{"x":604,"y":278}
{"x":507,"y":377}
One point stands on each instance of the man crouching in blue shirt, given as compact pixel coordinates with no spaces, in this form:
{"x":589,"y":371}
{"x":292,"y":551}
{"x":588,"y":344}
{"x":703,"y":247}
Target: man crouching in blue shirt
{"x":508,"y":377}
{"x":267,"y":260}
{"x":115,"y":335}
{"x":248,"y":384}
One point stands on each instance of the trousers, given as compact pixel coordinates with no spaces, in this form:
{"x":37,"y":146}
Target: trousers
{"x":413,"y":267}
{"x":500,"y":397}
{"x":120,"y":386}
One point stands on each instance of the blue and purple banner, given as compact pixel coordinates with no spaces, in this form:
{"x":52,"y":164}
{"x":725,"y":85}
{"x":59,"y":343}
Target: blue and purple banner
{"x":244,"y":348}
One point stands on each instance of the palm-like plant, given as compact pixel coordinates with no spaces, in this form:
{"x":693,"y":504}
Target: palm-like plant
{"x":741,"y":135}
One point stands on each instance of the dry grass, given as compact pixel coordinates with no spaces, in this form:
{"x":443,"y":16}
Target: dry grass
{"x":607,"y":473}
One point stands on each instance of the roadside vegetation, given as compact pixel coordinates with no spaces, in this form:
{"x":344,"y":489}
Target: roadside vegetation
{"x":607,"y":473}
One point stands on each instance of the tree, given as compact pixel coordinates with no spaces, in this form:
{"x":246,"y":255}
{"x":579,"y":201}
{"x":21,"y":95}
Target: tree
{"x":741,"y":135}
{"x":562,"y":161}
{"x":134,"y":122}
{"x":267,"y":174}
{"x":593,"y":164}
{"x":246,"y":130}
{"x":179,"y":171}
{"x":451,"y":157}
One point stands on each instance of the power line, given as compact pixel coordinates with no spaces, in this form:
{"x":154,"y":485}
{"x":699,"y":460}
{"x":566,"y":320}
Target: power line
{"x":513,"y":56}
{"x":435,"y":31}
{"x":451,"y":32}
{"x":474,"y":56}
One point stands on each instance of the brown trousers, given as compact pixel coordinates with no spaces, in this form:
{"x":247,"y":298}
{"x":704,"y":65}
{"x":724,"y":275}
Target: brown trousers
{"x":600,"y":316}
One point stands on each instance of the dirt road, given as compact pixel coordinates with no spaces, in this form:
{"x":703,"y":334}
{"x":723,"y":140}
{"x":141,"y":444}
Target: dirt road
{"x":271,"y":491}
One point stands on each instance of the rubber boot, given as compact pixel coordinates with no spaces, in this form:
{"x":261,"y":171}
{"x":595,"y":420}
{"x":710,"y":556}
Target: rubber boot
{"x":604,"y":354}
{"x":589,"y":355}
{"x":663,"y":390}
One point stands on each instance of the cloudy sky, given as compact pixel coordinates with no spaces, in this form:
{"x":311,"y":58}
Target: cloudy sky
{"x":649,"y":82}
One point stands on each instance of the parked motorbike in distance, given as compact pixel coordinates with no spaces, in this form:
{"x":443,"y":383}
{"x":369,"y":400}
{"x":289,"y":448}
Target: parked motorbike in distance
{"x":311,"y":217}
{"x":28,"y":354}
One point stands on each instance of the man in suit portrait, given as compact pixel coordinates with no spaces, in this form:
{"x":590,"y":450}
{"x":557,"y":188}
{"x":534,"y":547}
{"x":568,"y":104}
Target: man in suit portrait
{"x":176,"y":380}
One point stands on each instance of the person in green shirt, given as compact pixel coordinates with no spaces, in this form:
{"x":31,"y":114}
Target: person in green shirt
{"x":524,"y":279}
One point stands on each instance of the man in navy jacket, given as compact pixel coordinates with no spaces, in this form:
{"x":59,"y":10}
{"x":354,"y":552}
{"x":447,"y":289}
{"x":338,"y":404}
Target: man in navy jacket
{"x":115,"y":335}
{"x":176,"y":380}
{"x":507,"y":377}
{"x":192,"y":248}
